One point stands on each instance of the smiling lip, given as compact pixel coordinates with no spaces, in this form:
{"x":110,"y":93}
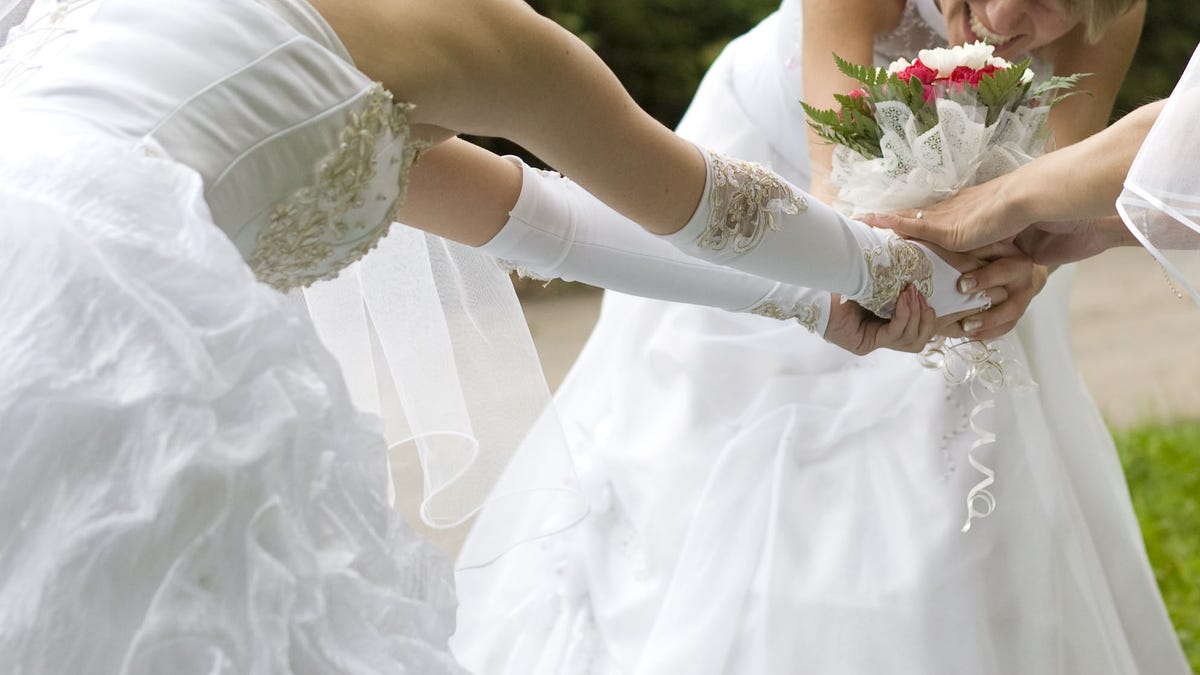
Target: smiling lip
{"x":981,"y":31}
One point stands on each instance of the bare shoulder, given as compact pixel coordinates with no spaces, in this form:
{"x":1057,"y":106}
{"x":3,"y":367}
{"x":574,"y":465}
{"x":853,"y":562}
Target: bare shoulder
{"x":430,"y":52}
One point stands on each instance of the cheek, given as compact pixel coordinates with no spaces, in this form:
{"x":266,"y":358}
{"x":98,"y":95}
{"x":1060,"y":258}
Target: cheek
{"x":1050,"y":27}
{"x":1052,"y":21}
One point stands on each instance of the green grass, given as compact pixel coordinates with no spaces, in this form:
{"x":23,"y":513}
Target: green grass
{"x":1162,"y":464}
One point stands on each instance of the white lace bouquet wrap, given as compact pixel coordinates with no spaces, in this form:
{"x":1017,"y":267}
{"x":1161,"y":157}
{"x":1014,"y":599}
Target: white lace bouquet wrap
{"x":913,"y":135}
{"x":918,"y":168}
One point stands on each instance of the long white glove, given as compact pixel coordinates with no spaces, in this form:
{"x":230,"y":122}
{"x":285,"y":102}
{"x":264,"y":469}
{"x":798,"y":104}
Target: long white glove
{"x":559,"y":230}
{"x":809,"y":244}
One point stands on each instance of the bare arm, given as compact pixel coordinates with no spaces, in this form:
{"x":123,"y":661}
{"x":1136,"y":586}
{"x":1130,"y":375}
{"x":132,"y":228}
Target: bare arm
{"x":1081,"y":181}
{"x":847,"y":28}
{"x":497,"y":68}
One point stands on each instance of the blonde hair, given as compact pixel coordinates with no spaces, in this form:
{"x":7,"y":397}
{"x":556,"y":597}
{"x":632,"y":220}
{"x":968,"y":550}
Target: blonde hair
{"x":1099,"y":15}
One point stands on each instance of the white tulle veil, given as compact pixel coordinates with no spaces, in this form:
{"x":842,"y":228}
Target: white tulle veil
{"x":429,"y":334}
{"x":12,"y":12}
{"x":1161,"y":199}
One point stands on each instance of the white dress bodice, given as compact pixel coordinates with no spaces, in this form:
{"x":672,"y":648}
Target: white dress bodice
{"x":304,"y":159}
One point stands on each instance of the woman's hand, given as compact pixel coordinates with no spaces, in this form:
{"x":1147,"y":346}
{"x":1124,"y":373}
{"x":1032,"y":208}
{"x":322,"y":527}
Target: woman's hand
{"x":860,"y":332}
{"x":1010,"y":279}
{"x":975,"y":217}
{"x":1068,"y":241}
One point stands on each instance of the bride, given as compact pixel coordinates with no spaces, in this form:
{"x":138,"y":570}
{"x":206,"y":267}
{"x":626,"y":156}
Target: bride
{"x":185,"y":485}
{"x":783,"y":508}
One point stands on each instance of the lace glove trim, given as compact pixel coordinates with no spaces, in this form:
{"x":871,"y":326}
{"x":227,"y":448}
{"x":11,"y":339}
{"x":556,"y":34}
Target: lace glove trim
{"x":811,"y":244}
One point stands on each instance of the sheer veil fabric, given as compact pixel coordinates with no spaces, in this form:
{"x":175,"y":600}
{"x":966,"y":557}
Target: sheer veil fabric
{"x":12,"y":12}
{"x":1161,"y":200}
{"x":430,"y":336}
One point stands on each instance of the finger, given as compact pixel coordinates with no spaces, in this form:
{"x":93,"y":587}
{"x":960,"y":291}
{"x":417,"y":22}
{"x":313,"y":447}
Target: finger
{"x":952,"y":330}
{"x":906,"y":222}
{"x":985,"y":322}
{"x":1000,"y":249}
{"x":996,"y":296}
{"x":1003,"y":272}
{"x":900,"y":317}
{"x":995,"y":331}
{"x":950,"y":325}
{"x":912,"y":330}
{"x":927,"y":328}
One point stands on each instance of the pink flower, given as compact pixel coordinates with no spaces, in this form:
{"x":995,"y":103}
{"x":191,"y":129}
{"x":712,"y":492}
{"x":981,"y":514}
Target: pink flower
{"x":929,"y":93}
{"x":857,"y":94}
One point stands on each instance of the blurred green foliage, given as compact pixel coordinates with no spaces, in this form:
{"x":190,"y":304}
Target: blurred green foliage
{"x":659,"y":48}
{"x":1171,"y":34}
{"x":1162,"y":465}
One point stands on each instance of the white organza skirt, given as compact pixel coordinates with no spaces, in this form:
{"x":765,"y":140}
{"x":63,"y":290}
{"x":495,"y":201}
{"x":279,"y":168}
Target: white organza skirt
{"x":185,"y":486}
{"x":763,"y":502}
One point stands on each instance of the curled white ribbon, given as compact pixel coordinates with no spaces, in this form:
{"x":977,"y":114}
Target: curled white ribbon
{"x":980,"y":492}
{"x":978,"y":364}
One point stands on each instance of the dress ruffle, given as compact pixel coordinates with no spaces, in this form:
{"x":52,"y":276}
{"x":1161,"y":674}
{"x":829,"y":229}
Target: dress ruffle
{"x":185,"y":486}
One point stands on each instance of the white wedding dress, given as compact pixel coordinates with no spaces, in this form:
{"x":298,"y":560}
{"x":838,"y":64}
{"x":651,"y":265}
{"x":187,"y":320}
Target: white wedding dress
{"x":185,"y":486}
{"x":766,"y":503}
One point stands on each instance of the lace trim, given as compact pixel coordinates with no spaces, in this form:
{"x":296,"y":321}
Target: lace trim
{"x":744,"y":200}
{"x":521,"y":271}
{"x":807,"y":314}
{"x":305,"y":240}
{"x":892,"y":267}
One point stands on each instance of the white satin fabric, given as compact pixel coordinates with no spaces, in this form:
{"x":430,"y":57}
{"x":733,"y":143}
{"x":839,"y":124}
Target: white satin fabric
{"x":763,"y":502}
{"x":1161,"y":200}
{"x":186,"y":485}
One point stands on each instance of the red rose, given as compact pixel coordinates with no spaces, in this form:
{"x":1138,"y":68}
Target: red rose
{"x":966,"y":75}
{"x":920,"y":71}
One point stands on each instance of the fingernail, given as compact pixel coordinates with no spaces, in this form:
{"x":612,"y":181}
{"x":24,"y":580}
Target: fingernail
{"x":971,"y":325}
{"x":966,"y":284}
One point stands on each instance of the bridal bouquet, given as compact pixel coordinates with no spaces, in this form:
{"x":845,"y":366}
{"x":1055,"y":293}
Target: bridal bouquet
{"x":914,"y":133}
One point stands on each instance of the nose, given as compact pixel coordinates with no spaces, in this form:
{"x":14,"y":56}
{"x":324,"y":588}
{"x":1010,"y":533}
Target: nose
{"x":1005,"y":16}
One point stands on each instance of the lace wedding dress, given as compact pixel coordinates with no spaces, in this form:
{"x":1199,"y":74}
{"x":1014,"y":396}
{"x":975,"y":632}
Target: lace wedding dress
{"x":185,"y":486}
{"x":763,"y":502}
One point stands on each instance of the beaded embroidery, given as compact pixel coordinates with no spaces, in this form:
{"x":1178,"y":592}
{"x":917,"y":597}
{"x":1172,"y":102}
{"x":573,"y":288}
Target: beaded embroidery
{"x":807,"y":314}
{"x":319,"y":230}
{"x":892,"y":267}
{"x":745,"y":199}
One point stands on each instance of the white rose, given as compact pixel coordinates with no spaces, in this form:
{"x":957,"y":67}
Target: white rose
{"x":1027,"y":76}
{"x":941,"y":60}
{"x":999,"y":63}
{"x":974,"y":56}
{"x":898,"y":66}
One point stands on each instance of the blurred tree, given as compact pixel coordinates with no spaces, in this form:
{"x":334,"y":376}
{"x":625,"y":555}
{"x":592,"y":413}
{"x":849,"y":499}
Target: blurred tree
{"x":1171,"y":34}
{"x":659,"y":49}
